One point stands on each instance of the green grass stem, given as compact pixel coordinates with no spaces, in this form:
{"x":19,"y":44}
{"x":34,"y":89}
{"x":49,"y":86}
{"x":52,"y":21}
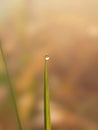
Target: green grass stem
{"x":11,"y":88}
{"x":47,"y":122}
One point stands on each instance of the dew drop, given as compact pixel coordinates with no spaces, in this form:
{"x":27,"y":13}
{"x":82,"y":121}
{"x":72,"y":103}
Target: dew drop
{"x":47,"y":57}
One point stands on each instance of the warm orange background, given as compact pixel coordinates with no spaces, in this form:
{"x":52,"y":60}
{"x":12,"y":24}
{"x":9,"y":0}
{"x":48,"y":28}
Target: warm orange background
{"x":68,"y":31}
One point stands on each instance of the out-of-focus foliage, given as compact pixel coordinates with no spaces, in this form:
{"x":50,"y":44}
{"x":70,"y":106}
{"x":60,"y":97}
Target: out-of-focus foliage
{"x":68,"y":31}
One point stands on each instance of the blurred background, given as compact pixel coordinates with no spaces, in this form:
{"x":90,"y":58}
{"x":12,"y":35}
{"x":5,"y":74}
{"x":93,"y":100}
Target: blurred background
{"x":68,"y":31}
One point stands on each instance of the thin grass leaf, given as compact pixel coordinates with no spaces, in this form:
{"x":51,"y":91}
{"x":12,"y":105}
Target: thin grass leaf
{"x":11,"y":88}
{"x":47,"y":122}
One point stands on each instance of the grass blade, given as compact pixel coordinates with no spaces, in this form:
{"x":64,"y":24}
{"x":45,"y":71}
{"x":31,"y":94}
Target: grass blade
{"x":11,"y":88}
{"x":47,"y":123}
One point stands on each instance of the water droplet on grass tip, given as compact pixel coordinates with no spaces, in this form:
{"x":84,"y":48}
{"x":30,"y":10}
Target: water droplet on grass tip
{"x":47,"y":57}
